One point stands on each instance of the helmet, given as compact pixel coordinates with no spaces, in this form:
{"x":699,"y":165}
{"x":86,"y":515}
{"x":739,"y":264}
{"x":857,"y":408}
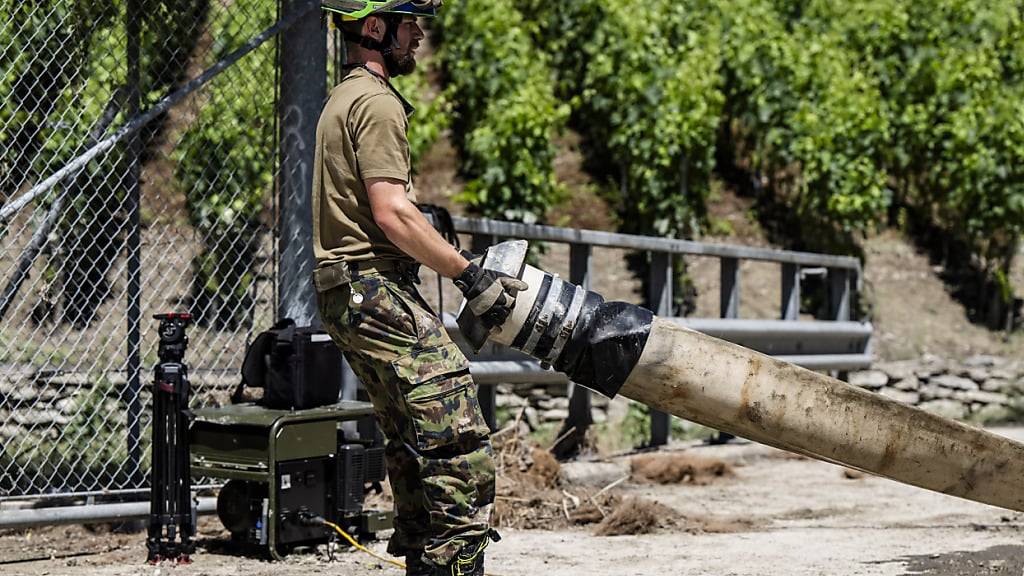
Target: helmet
{"x":357,"y":9}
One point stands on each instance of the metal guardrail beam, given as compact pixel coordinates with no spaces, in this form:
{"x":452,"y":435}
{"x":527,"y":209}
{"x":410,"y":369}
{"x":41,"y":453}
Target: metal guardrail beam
{"x":631,"y":241}
{"x":87,"y":514}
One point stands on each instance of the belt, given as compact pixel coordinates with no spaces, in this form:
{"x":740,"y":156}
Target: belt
{"x":334,"y":275}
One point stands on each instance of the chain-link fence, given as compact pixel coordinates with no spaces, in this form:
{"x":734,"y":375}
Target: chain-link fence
{"x":176,"y":215}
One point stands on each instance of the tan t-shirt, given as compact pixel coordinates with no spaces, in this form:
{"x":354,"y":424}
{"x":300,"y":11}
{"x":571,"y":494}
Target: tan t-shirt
{"x":361,"y":135}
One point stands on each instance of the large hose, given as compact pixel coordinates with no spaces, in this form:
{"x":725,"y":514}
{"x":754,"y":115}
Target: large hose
{"x":619,"y":348}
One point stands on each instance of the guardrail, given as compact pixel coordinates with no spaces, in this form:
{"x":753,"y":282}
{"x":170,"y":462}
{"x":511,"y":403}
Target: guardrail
{"x":833,"y":341}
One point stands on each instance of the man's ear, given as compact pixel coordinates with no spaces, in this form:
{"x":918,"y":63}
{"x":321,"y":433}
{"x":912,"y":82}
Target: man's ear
{"x":373,"y":27}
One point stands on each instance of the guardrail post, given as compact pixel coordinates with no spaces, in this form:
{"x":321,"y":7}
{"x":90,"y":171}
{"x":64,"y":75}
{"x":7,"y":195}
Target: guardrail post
{"x":659,"y":298}
{"x":839,"y":293}
{"x":790,"y":291}
{"x":729,"y":307}
{"x":574,"y":430}
{"x":730,"y":288}
{"x":487,"y":394}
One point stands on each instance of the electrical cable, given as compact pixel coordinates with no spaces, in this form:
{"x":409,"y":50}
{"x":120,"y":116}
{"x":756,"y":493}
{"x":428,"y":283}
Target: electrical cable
{"x":362,"y":548}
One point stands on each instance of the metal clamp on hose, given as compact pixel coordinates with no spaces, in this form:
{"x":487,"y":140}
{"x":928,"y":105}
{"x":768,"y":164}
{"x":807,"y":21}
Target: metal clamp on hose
{"x":596,"y":343}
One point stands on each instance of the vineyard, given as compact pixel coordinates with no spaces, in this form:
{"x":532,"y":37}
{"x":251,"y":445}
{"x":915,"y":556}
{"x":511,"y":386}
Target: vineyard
{"x":840,"y":118}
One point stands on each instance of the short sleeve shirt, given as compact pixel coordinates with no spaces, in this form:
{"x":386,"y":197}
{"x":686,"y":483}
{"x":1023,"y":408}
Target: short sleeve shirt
{"x":361,"y":134}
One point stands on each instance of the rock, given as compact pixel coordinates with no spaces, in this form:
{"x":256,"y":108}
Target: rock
{"x":510,"y":400}
{"x":558,"y":403}
{"x":532,"y":418}
{"x":945,"y":408}
{"x":908,"y":384}
{"x":870,"y":379}
{"x":911,"y":398}
{"x":900,"y":370}
{"x":995,"y":385}
{"x":595,"y":474}
{"x":981,"y":397}
{"x":954,"y":382}
{"x":38,"y":417}
{"x":599,"y":416}
{"x":10,"y":432}
{"x":992,"y":413}
{"x":983,"y":361}
{"x":1004,"y":373}
{"x":67,"y":405}
{"x":554,"y":415}
{"x":978,"y":374}
{"x":933,"y":392}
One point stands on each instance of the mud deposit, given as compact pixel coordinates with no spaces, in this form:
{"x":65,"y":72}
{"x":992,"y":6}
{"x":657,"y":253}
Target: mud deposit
{"x":678,"y":469}
{"x":994,"y":561}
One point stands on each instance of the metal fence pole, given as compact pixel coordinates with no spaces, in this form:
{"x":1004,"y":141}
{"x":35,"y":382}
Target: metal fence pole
{"x":134,"y":247}
{"x":790,"y":292}
{"x":659,"y":298}
{"x":303,"y":86}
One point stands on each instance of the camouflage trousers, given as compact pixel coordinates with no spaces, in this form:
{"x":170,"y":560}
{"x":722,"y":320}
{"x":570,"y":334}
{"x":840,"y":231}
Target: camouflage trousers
{"x":439,"y":456}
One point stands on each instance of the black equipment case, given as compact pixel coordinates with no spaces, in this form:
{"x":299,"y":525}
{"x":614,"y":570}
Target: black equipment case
{"x":297,"y":367}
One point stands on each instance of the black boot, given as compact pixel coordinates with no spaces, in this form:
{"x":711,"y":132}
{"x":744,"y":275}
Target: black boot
{"x":415,"y":565}
{"x":470,"y":560}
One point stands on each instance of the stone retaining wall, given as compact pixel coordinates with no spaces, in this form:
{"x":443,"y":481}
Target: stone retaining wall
{"x":978,"y":388}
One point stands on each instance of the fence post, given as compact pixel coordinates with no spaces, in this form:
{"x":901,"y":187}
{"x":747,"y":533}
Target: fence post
{"x":730,"y":288}
{"x":303,"y":61}
{"x":659,"y":298}
{"x":839,"y":293}
{"x":790,"y":291}
{"x":580,"y":417}
{"x":488,"y":393}
{"x":133,"y":364}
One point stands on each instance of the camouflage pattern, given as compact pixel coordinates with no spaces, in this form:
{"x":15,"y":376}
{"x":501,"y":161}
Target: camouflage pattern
{"x":440,"y":461}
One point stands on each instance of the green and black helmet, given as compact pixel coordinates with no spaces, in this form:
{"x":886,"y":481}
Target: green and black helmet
{"x":358,"y":9}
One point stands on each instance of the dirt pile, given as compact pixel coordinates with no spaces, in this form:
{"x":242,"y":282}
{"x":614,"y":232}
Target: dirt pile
{"x":678,"y":469}
{"x":636,"y":516}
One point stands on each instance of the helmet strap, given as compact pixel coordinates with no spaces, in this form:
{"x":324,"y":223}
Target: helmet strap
{"x":386,"y":45}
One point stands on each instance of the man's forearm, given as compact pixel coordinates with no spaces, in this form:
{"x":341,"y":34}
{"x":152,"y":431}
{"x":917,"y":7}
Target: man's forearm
{"x":406,"y":226}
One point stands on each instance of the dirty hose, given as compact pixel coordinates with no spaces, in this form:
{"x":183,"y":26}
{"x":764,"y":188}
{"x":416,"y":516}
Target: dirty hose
{"x":619,"y":348}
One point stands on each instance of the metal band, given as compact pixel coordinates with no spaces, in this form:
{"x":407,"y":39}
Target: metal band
{"x":560,"y":305}
{"x":541,"y":325}
{"x":527,"y":327}
{"x":568,"y":324}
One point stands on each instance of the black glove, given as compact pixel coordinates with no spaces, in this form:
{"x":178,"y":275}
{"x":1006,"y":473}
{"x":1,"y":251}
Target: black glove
{"x":490,"y":295}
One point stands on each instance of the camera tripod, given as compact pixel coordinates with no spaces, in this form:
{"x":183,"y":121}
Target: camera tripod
{"x":172,"y":517}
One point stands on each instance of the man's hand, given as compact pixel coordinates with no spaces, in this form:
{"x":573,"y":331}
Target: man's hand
{"x":490,"y":295}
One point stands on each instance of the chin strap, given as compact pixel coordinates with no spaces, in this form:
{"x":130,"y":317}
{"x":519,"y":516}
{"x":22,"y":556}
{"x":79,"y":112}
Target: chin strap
{"x":384,"y":46}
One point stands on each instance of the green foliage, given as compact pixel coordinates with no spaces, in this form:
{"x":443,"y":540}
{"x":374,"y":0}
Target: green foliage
{"x":506,"y":112}
{"x":651,"y":101}
{"x":225,"y":165}
{"x":433,"y":111}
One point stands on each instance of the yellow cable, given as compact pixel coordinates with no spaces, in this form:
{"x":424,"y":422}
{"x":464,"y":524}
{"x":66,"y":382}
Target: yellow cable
{"x":362,"y":548}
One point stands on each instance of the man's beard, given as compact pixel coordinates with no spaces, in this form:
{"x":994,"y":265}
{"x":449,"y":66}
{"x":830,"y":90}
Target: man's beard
{"x":400,"y":65}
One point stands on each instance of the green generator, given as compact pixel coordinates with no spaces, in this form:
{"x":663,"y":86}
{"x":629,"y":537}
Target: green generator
{"x":283,"y":467}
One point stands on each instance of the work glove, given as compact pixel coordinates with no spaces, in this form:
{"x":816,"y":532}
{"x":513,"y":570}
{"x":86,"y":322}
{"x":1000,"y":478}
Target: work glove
{"x":490,"y":295}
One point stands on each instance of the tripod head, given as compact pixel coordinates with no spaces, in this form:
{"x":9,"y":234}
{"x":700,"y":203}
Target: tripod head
{"x":173,"y":340}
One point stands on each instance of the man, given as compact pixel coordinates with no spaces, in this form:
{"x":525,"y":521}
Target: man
{"x":369,"y":239}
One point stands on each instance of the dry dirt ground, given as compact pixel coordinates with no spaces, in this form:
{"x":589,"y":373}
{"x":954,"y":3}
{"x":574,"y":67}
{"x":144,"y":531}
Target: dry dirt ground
{"x":772,"y":515}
